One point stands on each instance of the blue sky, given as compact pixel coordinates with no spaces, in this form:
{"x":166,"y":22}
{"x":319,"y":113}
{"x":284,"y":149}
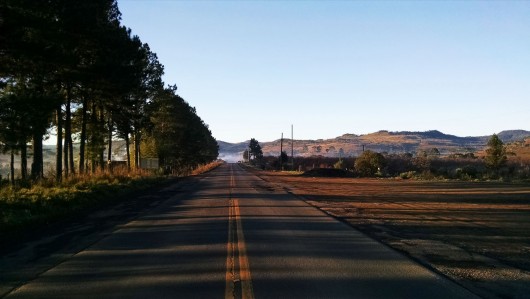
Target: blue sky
{"x":253,"y":68}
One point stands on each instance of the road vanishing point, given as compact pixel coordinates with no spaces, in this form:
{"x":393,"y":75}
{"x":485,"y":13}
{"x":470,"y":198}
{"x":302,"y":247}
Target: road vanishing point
{"x":229,"y":234}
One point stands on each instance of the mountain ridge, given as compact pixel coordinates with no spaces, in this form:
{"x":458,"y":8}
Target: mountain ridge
{"x":393,"y":142}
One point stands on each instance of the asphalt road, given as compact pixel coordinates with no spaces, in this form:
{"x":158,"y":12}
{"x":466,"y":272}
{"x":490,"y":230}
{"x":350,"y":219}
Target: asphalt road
{"x":233,"y":235}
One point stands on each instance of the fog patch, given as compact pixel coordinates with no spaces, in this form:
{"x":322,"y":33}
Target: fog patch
{"x":231,"y":157}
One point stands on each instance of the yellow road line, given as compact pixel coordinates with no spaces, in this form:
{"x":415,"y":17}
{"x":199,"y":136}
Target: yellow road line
{"x":229,"y":287}
{"x":244,"y":268}
{"x":234,"y":215}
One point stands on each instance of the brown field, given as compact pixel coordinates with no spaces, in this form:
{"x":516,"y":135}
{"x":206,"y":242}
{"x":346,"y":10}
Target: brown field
{"x":476,"y":233}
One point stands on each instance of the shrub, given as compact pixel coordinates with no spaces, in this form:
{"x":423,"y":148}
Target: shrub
{"x":407,"y":175}
{"x":369,"y":163}
{"x":339,"y":165}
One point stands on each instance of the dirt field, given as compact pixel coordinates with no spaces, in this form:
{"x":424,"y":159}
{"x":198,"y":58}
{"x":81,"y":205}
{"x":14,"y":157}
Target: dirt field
{"x":478,"y":234}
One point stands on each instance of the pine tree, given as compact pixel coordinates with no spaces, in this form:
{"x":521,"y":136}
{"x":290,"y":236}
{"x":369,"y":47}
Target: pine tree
{"x":495,"y":153}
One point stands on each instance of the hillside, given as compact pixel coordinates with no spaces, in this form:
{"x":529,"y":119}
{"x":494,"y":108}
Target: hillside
{"x":518,"y":142}
{"x":382,"y":141}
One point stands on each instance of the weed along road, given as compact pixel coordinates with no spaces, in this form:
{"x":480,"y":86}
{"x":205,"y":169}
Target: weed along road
{"x":232,"y":235}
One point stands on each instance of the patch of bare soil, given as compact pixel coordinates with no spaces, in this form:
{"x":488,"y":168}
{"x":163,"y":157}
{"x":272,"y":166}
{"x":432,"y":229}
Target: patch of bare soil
{"x":476,"y":233}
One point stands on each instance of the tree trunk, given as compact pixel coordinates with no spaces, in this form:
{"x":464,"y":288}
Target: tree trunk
{"x":59,"y":149}
{"x":12,"y":167}
{"x":92,"y":139}
{"x":67,"y":132}
{"x":101,"y":140}
{"x":128,"y":151}
{"x":71,"y":154}
{"x":102,"y":160}
{"x":23,"y":161}
{"x":38,"y":164}
{"x":71,"y":144}
{"x":65,"y":154}
{"x":109,"y":145}
{"x":136,"y":149}
{"x":83,"y":138}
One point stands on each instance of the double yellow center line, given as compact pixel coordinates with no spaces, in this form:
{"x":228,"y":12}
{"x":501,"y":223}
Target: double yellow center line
{"x":238,"y":279}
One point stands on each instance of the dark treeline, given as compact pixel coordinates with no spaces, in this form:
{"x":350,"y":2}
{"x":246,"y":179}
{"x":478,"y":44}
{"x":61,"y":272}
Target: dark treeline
{"x":462,"y":167}
{"x":70,"y":66}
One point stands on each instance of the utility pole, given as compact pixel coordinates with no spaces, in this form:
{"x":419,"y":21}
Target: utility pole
{"x":292,"y":149}
{"x":281,"y":152}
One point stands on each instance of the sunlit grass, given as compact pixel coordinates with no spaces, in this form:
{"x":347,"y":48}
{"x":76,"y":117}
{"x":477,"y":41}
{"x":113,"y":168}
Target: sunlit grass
{"x":206,"y":167}
{"x":26,"y":205}
{"x":45,"y":202}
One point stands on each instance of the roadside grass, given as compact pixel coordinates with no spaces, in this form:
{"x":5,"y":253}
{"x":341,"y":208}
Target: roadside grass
{"x":28,"y":206}
{"x":292,"y":172}
{"x":207,"y":167}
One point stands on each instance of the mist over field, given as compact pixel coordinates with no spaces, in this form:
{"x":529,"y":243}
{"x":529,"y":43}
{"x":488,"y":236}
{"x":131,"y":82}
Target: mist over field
{"x":231,"y":157}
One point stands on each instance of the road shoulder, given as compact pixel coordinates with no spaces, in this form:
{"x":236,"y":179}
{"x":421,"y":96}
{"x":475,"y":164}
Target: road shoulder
{"x":38,"y":251}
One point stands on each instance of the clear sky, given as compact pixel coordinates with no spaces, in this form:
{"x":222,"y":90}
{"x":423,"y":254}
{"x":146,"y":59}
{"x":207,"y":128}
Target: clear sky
{"x":253,"y":68}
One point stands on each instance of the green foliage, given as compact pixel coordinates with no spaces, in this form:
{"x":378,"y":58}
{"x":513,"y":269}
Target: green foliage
{"x":182,"y":139}
{"x":422,"y":163}
{"x":369,"y":163}
{"x":340,"y":164}
{"x":28,"y":207}
{"x":74,"y":59}
{"x":407,"y":175}
{"x":405,"y":166}
{"x":495,"y":154}
{"x":431,"y":152}
{"x":465,"y":173}
{"x":65,"y":55}
{"x":148,"y":147}
{"x":25,"y":114}
{"x":256,"y":153}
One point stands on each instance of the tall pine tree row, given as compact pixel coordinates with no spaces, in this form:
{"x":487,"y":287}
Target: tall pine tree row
{"x":69,"y":66}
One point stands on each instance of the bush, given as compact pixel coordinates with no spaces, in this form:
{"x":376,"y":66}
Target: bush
{"x":339,"y":165}
{"x":369,"y":163}
{"x":407,"y":175}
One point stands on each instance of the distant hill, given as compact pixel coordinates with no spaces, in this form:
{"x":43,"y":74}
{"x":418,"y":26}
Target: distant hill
{"x":232,"y":147}
{"x":382,"y":141}
{"x":344,"y":146}
{"x":512,"y":135}
{"x":232,"y":152}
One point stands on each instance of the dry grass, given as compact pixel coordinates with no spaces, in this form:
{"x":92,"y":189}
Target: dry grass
{"x":26,"y":205}
{"x":475,"y":233}
{"x":521,"y":150}
{"x":206,"y":167}
{"x":31,"y":204}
